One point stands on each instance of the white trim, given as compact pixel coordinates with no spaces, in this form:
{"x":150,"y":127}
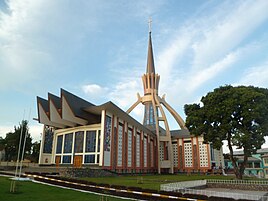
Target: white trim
{"x":42,"y":146}
{"x":102,"y":134}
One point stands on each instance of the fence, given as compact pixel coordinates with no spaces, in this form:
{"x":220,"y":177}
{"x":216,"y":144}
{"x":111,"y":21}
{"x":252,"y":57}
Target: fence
{"x":240,"y":182}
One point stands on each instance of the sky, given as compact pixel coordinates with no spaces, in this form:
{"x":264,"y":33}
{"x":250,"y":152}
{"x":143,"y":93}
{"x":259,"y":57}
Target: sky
{"x":97,"y":50}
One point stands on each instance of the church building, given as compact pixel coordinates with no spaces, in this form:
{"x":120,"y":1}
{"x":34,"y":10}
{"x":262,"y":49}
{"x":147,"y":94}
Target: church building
{"x":79,"y":134}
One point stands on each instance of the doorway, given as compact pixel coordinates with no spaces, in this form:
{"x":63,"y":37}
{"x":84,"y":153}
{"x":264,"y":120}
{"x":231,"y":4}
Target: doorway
{"x":77,"y":161}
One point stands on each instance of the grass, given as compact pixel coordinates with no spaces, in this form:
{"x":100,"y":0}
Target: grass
{"x":152,"y":181}
{"x":29,"y":191}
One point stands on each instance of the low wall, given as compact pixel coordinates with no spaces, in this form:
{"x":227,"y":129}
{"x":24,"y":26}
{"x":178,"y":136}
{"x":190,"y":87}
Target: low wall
{"x":85,"y":172}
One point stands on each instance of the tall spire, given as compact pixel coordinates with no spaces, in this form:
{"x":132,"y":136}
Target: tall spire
{"x":150,"y":56}
{"x":154,"y":113}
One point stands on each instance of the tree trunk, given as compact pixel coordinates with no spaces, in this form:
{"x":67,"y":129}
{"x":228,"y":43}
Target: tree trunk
{"x":238,"y":169}
{"x":244,"y":163}
{"x":237,"y":172}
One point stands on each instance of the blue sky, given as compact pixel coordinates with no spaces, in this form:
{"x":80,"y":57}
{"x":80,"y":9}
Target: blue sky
{"x":97,"y":50}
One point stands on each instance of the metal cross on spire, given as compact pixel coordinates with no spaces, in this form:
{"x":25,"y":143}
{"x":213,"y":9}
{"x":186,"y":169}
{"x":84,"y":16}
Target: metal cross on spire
{"x":150,"y":24}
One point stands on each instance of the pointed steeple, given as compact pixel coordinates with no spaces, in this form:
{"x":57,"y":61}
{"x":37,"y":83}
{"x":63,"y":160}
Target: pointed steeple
{"x":150,"y":57}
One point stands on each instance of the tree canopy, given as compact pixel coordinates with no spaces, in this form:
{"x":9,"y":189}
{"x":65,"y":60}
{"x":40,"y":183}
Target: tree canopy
{"x":236,"y":114}
{"x":12,"y":141}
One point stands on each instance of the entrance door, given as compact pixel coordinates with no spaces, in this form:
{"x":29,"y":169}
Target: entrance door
{"x":57,"y":160}
{"x":77,"y":161}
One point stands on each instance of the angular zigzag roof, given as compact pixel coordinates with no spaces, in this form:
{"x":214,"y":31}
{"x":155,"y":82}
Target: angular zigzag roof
{"x":70,"y":110}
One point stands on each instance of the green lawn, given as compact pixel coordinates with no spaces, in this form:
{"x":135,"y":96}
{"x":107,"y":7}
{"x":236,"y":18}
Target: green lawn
{"x":152,"y":181}
{"x":29,"y":191}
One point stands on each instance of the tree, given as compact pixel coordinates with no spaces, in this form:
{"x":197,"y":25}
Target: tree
{"x":236,"y":114}
{"x":13,"y":138}
{"x":2,"y":143}
{"x":35,"y":151}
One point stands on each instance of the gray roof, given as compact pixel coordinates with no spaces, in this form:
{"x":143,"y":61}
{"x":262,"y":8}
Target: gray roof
{"x":55,"y":99}
{"x":263,"y":150}
{"x":76,"y":104}
{"x":259,"y":151}
{"x":44,"y":104}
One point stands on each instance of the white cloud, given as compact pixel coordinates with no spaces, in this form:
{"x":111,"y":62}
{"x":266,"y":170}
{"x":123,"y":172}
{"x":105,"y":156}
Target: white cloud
{"x":38,"y":37}
{"x":94,"y":89}
{"x":5,"y":129}
{"x":123,"y":93}
{"x":19,"y":56}
{"x":36,"y":131}
{"x":172,"y":54}
{"x":256,"y":76}
{"x":147,"y":8}
{"x":197,"y":79}
{"x":229,"y":31}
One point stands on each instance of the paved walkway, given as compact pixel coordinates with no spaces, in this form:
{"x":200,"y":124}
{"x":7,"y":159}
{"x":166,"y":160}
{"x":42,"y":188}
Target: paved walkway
{"x":237,"y":194}
{"x":260,"y":193}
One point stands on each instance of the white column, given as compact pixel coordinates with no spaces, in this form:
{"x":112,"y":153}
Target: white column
{"x":102,"y":135}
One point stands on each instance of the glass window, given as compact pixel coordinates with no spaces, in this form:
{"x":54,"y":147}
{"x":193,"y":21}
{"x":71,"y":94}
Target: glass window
{"x":129,"y":147}
{"x":98,"y":140}
{"x":145,"y":152}
{"x":120,"y":145}
{"x":68,"y":143}
{"x":48,"y":141}
{"x":138,"y":150}
{"x":257,"y":165}
{"x":107,"y":134}
{"x":89,"y":159}
{"x":98,"y":158}
{"x":149,"y":118}
{"x":59,"y":144}
{"x":79,"y":142}
{"x":90,"y":141}
{"x":66,"y":159}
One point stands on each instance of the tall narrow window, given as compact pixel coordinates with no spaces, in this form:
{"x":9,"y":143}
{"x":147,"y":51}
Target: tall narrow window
{"x":129,"y":148}
{"x":145,"y":151}
{"x":99,"y":137}
{"x":79,"y":142}
{"x":107,"y":134}
{"x":48,"y":140}
{"x":152,"y":153}
{"x":59,"y":144}
{"x":149,"y":117}
{"x":138,"y":137}
{"x":68,"y":143}
{"x":119,"y":147}
{"x":91,"y":141}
